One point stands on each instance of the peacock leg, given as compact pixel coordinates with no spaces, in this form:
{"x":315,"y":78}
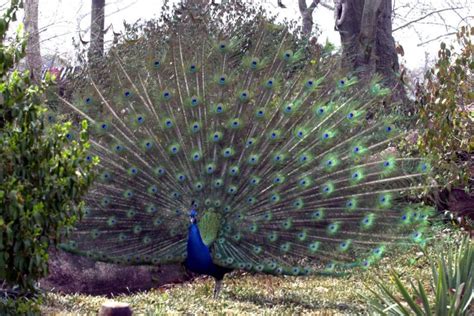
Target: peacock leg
{"x":217,"y":288}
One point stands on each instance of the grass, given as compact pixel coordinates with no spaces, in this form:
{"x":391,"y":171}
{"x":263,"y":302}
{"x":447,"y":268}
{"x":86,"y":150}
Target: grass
{"x":244,"y":293}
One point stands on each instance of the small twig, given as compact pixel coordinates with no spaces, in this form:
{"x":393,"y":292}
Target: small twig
{"x":436,"y":38}
{"x":423,"y":17}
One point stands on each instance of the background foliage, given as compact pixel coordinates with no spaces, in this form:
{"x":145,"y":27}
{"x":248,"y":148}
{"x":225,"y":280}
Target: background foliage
{"x":44,"y":172}
{"x":446,"y":116}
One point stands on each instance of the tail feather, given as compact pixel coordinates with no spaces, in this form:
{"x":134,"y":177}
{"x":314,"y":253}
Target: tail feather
{"x":244,"y":124}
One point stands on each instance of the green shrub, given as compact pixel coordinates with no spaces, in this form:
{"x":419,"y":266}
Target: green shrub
{"x":450,"y":292}
{"x":446,"y":116}
{"x":44,"y":171}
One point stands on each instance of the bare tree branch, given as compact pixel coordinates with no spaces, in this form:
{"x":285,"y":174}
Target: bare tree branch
{"x":436,"y":38}
{"x":96,"y":49}
{"x":33,"y":53}
{"x":327,"y":6}
{"x":313,"y":5}
{"x":424,"y":17}
{"x":307,"y":14}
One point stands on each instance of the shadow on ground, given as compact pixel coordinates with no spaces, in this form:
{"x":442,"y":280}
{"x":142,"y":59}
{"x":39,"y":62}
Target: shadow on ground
{"x":70,"y":274}
{"x":295,"y":301}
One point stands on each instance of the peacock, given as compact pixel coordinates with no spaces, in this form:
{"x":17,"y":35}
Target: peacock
{"x":226,"y":142}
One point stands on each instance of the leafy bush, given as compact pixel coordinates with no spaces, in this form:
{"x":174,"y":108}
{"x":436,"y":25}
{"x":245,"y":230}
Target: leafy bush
{"x":446,"y":116}
{"x":43,"y":172}
{"x":451,"y":290}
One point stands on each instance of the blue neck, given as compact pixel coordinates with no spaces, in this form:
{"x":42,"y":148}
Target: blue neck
{"x":198,"y":255}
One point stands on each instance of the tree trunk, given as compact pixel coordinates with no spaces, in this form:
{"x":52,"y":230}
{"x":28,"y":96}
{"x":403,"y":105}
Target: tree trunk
{"x":368,"y":47}
{"x":96,"y":48}
{"x":307,"y":15}
{"x":33,"y":53}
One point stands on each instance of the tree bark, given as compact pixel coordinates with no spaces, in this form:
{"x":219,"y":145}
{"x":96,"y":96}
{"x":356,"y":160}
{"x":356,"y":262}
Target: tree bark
{"x":96,"y":48}
{"x":307,"y":15}
{"x":368,"y":47}
{"x":33,"y":53}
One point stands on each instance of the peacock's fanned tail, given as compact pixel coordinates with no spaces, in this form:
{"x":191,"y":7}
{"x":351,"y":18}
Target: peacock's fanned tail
{"x":277,"y":150}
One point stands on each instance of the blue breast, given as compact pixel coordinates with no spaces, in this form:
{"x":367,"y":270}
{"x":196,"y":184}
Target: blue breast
{"x":198,"y":255}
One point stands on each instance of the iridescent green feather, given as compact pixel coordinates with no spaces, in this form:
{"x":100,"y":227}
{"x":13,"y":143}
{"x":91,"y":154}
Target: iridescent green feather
{"x":287,"y":161}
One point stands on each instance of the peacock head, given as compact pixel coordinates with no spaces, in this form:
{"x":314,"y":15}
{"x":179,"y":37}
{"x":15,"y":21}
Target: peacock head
{"x":193,"y":213}
{"x":192,"y":216}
